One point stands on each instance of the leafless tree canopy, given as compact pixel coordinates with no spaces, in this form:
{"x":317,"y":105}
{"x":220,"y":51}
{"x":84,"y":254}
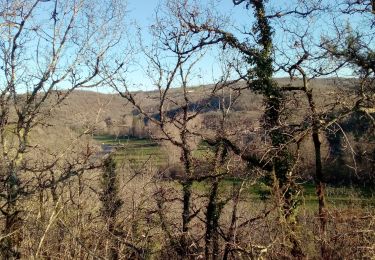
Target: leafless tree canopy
{"x":271,"y":156}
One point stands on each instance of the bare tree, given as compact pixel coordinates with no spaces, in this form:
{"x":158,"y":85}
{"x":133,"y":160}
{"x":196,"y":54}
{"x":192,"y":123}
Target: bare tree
{"x":172,"y":66}
{"x":48,"y":49}
{"x":259,"y":77}
{"x":313,"y":59}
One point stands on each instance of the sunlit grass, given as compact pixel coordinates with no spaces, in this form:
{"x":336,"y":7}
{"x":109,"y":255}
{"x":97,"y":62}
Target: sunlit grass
{"x":134,"y":151}
{"x":139,"y":152}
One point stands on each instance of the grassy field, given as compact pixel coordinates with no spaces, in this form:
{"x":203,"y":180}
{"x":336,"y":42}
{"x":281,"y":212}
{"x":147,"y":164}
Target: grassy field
{"x":335,"y":196}
{"x":144,"y":152}
{"x":137,"y":152}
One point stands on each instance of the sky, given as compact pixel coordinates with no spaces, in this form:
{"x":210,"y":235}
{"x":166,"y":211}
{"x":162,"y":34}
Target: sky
{"x":142,"y":13}
{"x":144,"y":10}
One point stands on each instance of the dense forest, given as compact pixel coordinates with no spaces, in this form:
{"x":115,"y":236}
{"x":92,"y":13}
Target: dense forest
{"x":240,"y":131}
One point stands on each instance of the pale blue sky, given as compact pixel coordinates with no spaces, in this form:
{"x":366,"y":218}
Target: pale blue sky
{"x":143,"y":13}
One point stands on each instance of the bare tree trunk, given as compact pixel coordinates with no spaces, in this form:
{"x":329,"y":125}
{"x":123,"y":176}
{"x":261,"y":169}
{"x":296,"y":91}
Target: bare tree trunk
{"x":233,"y":225}
{"x":212,"y":219}
{"x":111,"y":204}
{"x":186,"y":190}
{"x":319,"y":177}
{"x":320,"y":187}
{"x":13,"y":221}
{"x":213,"y":210}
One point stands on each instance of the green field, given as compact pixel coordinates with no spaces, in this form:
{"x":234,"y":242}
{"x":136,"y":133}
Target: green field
{"x":137,"y":152}
{"x":335,"y":196}
{"x":140,"y":151}
{"x":145,"y":152}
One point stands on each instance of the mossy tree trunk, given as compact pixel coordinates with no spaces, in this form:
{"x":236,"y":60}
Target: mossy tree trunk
{"x":111,"y":204}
